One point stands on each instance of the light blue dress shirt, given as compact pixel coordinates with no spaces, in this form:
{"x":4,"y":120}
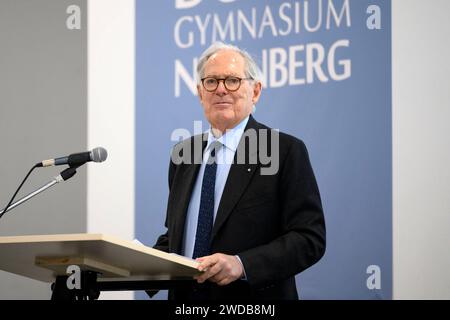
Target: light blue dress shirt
{"x":225,"y":155}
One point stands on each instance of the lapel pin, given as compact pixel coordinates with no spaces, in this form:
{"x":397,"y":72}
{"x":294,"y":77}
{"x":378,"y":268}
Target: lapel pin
{"x":249,"y":169}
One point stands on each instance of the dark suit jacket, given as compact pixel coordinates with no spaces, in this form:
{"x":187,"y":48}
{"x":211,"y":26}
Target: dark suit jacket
{"x":274,"y":223}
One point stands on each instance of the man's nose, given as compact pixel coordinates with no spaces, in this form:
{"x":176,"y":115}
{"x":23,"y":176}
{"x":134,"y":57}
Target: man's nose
{"x":221,"y":90}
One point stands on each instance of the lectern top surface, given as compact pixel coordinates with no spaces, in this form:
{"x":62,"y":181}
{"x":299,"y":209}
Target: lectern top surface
{"x":18,"y":255}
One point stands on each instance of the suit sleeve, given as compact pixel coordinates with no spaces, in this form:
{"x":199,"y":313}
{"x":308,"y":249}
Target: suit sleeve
{"x":302,"y":239}
{"x":163,"y":240}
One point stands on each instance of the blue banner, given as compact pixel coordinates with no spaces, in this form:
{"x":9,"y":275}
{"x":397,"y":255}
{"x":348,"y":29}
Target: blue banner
{"x":327,"y":81}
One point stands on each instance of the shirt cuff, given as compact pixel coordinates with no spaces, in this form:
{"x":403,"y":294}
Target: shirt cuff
{"x":244,"y":276}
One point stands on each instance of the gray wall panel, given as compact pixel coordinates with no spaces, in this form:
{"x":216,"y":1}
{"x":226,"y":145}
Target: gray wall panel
{"x":43,"y":113}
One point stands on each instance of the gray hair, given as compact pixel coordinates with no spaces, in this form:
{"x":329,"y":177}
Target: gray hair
{"x":251,"y":67}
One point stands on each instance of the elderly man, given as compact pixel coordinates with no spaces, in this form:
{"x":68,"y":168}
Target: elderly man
{"x":251,"y":232}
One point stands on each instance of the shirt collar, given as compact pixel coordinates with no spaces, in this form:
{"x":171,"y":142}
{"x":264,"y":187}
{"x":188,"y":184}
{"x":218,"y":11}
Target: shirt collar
{"x":231,"y":137}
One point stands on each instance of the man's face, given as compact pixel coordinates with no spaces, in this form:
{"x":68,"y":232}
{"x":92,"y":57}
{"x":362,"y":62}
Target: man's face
{"x":225,"y":109}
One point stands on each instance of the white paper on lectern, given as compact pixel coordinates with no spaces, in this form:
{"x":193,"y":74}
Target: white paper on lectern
{"x":136,"y":241}
{"x":179,"y":255}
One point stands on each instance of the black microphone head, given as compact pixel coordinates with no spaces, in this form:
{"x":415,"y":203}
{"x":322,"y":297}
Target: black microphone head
{"x":99,"y":154}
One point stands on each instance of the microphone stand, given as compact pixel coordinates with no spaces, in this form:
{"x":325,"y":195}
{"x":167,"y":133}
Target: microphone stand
{"x":63,"y":176}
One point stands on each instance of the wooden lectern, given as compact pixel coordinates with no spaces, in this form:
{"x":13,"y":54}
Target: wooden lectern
{"x":106,"y":264}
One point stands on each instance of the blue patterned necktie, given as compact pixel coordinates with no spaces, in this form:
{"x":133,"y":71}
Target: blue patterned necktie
{"x":206,"y":211}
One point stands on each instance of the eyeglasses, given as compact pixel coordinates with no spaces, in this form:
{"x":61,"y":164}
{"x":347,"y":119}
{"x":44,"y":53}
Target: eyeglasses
{"x":231,"y":83}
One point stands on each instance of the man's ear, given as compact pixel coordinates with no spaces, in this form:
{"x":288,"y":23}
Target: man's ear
{"x":256,"y":92}
{"x":199,"y":92}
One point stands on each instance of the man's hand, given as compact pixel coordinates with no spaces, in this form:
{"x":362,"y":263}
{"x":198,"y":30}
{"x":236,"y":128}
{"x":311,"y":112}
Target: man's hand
{"x":219,"y":268}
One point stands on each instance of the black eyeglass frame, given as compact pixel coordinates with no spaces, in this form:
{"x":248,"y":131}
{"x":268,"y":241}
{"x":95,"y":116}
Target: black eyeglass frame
{"x":224,"y":82}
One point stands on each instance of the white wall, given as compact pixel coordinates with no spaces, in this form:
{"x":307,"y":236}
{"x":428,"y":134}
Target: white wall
{"x":111,"y":52}
{"x":421,"y":149}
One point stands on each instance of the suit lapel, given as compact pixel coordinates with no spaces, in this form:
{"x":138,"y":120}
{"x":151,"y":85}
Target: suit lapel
{"x":238,"y":179}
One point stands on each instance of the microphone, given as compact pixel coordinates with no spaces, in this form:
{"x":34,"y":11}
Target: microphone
{"x":77,"y":159}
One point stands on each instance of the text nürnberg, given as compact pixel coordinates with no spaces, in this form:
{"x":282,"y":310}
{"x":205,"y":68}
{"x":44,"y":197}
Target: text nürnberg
{"x":297,"y":64}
